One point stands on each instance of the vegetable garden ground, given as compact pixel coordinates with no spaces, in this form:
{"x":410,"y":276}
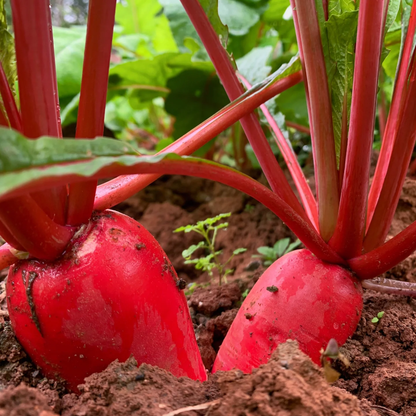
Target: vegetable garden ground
{"x":381,"y":377}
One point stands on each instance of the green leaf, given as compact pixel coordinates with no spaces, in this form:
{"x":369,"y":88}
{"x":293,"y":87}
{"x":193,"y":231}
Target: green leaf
{"x":211,"y":9}
{"x":341,"y":6}
{"x":393,"y":10}
{"x":253,"y":66}
{"x":375,"y":320}
{"x":191,"y":250}
{"x":7,"y":55}
{"x":239,"y":251}
{"x":267,"y":252}
{"x":69,"y":56}
{"x":292,"y":246}
{"x":145,"y":17}
{"x":194,"y":96}
{"x":280,"y":246}
{"x":186,"y":229}
{"x":380,"y":314}
{"x":237,"y":16}
{"x":341,"y":31}
{"x":213,"y":220}
{"x":275,"y":10}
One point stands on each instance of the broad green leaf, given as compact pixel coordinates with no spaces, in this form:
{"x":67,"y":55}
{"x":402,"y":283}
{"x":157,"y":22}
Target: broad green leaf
{"x":341,"y":6}
{"x":70,"y":111}
{"x":237,"y":16}
{"x":341,"y":31}
{"x":194,"y":96}
{"x":182,"y":28}
{"x":280,"y":246}
{"x":211,"y":9}
{"x":7,"y":55}
{"x":69,"y":56}
{"x":253,"y":66}
{"x":213,"y":220}
{"x":292,"y":103}
{"x":144,"y":17}
{"x":276,"y":10}
{"x":267,"y":252}
{"x":392,"y":47}
{"x":393,"y":10}
{"x":293,"y":245}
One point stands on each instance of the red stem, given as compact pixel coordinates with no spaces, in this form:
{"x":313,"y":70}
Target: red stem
{"x":33,"y":229}
{"x":321,"y":116}
{"x":9,"y":102}
{"x":393,"y":120}
{"x":292,"y":163}
{"x":383,"y":258}
{"x":7,"y":236}
{"x":382,"y":110}
{"x":92,"y":102}
{"x":202,"y":169}
{"x":348,"y":238}
{"x":234,"y":89}
{"x":37,"y":86}
{"x":117,"y":190}
{"x":298,"y":127}
{"x":7,"y":258}
{"x":344,"y":140}
{"x":396,"y":173}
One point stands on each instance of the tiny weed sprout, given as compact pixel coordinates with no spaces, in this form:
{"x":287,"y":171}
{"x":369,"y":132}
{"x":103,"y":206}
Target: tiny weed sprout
{"x":280,"y":248}
{"x":209,"y":229}
{"x":377,"y":318}
{"x":87,"y":285}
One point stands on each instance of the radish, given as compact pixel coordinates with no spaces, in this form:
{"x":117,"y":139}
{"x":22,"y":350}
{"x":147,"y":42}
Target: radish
{"x":97,"y":287}
{"x":112,"y":294}
{"x":280,"y":305}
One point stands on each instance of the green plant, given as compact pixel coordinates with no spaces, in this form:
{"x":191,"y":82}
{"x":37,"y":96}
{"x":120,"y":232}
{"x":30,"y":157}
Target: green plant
{"x":209,"y":229}
{"x":280,"y":248}
{"x":377,"y":318}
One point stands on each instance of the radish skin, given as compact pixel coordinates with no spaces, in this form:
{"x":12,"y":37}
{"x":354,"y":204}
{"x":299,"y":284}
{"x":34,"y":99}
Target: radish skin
{"x":112,"y":294}
{"x":297,"y":297}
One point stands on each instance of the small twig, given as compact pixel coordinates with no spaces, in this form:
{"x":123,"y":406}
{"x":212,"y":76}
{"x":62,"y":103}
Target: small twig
{"x":197,"y":407}
{"x":394,"y":287}
{"x":384,"y":410}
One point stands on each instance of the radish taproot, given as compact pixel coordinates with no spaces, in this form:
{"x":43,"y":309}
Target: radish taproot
{"x":112,"y":294}
{"x":298,"y":297}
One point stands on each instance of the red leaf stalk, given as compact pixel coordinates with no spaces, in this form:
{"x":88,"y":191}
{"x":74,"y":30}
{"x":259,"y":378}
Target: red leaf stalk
{"x":207,"y":170}
{"x":292,"y":163}
{"x":396,"y":173}
{"x":321,"y":117}
{"x":37,"y":86}
{"x":394,"y":118}
{"x":234,"y":89}
{"x":298,"y":127}
{"x":9,"y":102}
{"x":3,"y":119}
{"x":383,"y":258}
{"x":93,"y":96}
{"x":33,"y":229}
{"x":117,"y":190}
{"x":353,"y":204}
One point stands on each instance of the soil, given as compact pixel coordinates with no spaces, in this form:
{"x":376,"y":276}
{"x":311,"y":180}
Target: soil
{"x":380,"y":380}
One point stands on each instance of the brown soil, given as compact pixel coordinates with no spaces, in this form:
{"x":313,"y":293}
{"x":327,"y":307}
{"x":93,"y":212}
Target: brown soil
{"x":381,"y":377}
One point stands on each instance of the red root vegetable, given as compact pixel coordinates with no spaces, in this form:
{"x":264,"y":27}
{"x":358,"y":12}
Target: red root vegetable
{"x":298,"y":297}
{"x":112,"y":294}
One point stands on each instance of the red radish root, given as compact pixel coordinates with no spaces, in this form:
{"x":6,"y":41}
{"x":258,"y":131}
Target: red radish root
{"x":112,"y":294}
{"x":298,"y":297}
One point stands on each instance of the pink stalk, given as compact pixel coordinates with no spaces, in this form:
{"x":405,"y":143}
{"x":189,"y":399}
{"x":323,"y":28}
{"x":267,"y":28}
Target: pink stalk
{"x":396,"y":173}
{"x":298,"y":127}
{"x":7,"y":236}
{"x":117,"y":190}
{"x":92,"y":102}
{"x":33,"y":229}
{"x":321,"y":117}
{"x":9,"y":102}
{"x":234,"y":89}
{"x":292,"y":163}
{"x":382,"y":111}
{"x":199,"y":168}
{"x":353,"y":204}
{"x":383,"y":258}
{"x":7,"y":258}
{"x":394,"y":118}
{"x":392,"y":287}
{"x":344,"y":140}
{"x":37,"y":86}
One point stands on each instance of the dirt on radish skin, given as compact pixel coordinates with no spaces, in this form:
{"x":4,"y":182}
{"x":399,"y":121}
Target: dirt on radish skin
{"x":112,"y":294}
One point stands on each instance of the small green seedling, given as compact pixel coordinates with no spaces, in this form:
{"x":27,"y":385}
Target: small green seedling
{"x":208,"y":229}
{"x":377,"y":318}
{"x":271,"y":254}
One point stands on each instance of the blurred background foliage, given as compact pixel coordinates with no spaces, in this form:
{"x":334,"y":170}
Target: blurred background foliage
{"x":162,"y":83}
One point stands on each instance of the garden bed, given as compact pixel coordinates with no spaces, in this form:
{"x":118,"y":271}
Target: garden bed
{"x":381,"y":377}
